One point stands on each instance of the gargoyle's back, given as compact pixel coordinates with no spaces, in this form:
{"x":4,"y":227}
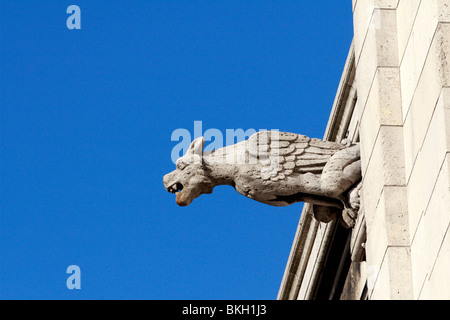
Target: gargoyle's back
{"x":283,"y":153}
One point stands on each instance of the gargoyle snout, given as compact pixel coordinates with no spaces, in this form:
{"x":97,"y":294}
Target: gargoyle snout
{"x":169,"y":179}
{"x":166,"y":180}
{"x":171,"y":182}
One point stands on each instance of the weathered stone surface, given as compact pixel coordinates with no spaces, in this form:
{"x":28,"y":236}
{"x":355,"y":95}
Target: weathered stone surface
{"x":429,"y":160}
{"x":367,"y":17}
{"x":435,"y":76}
{"x":406,"y":15}
{"x":393,"y":280}
{"x":379,"y":50}
{"x":426,"y":29}
{"x":402,"y":78}
{"x":432,"y":228}
{"x":389,"y":226}
{"x":354,"y":287}
{"x":293,"y":168}
{"x":385,"y":166}
{"x":437,"y":285}
{"x":383,"y":106}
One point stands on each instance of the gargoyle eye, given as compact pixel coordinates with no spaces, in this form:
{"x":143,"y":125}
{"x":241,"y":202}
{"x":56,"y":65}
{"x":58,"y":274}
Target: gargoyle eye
{"x":180,"y":165}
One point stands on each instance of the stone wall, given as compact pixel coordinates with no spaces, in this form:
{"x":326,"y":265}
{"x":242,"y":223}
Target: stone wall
{"x":402,"y":59}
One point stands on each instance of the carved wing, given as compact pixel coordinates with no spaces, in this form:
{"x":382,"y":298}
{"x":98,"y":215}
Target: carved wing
{"x":281,"y":154}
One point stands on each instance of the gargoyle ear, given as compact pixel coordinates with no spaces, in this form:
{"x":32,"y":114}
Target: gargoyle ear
{"x":195,"y":150}
{"x":196,"y":146}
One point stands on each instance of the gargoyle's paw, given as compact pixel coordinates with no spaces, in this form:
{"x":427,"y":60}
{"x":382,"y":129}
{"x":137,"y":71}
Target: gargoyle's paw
{"x":349,"y":218}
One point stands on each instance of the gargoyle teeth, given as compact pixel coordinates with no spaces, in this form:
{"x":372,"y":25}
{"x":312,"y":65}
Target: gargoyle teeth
{"x":176,"y":187}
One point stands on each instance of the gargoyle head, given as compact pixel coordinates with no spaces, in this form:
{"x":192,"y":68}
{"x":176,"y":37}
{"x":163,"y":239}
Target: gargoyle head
{"x":189,"y":180}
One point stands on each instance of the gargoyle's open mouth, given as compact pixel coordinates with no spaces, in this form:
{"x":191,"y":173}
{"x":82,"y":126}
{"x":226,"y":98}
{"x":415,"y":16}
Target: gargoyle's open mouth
{"x":174,"y":188}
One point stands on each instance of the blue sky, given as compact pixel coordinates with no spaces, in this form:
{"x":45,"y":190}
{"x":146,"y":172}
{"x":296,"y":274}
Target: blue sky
{"x":86,"y":118}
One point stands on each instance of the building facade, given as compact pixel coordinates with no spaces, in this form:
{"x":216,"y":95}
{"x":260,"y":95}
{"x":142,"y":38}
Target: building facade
{"x":394,"y":99}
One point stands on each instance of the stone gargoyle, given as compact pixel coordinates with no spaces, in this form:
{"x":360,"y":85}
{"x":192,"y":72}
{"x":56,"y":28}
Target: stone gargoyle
{"x":275,"y":168}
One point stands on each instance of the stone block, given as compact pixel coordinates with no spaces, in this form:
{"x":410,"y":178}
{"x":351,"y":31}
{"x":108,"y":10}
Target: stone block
{"x":377,"y":242}
{"x":429,"y":160}
{"x":435,"y":76}
{"x":389,"y":225}
{"x":386,"y":159}
{"x":406,"y":15}
{"x":393,"y":281}
{"x":385,"y":166}
{"x":383,"y":105}
{"x":431,"y":229}
{"x":429,"y":15}
{"x":437,"y":284}
{"x":379,"y":50}
{"x":363,"y":15}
